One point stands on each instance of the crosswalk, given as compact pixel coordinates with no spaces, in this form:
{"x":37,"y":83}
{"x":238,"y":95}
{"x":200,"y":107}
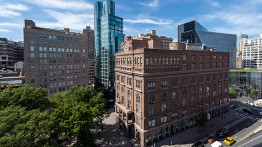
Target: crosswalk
{"x":247,"y":116}
{"x":257,"y":108}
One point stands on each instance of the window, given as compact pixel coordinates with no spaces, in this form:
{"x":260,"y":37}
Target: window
{"x":184,"y":113}
{"x":163,"y":106}
{"x":151,"y":109}
{"x":138,"y":120}
{"x":164,"y":95}
{"x":138,"y":84}
{"x":163,"y":83}
{"x":32,"y":48}
{"x":175,"y":82}
{"x":152,"y":123}
{"x":138,"y":103}
{"x":163,"y":119}
{"x":151,"y":85}
{"x":151,"y":100}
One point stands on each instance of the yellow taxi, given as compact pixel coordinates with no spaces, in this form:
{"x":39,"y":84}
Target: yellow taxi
{"x":229,"y":141}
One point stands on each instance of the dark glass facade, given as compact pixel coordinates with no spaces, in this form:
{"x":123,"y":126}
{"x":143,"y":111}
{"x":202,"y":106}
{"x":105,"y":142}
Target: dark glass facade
{"x":193,"y":32}
{"x":108,"y":38}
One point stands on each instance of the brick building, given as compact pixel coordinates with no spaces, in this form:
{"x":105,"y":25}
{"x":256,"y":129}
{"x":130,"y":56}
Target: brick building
{"x":58,"y":59}
{"x":161,"y":92}
{"x":10,"y":53}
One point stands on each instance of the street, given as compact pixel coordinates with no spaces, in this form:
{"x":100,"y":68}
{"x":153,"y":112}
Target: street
{"x":242,"y":129}
{"x":254,"y":141}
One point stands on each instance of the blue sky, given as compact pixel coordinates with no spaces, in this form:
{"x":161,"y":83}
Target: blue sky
{"x":226,"y":16}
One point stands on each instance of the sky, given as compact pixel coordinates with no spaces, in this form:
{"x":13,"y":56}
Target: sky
{"x":140,"y":16}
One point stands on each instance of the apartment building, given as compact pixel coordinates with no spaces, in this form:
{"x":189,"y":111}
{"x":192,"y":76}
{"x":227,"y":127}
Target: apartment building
{"x":161,"y":92}
{"x":251,"y":52}
{"x":58,"y":59}
{"x":10,"y":53}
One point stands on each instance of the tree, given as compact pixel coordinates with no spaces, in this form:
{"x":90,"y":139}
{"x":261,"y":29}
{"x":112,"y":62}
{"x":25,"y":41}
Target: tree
{"x":202,"y":119}
{"x":20,"y":127}
{"x":253,"y":93}
{"x":233,"y":93}
{"x":26,"y":96}
{"x":78,"y":111}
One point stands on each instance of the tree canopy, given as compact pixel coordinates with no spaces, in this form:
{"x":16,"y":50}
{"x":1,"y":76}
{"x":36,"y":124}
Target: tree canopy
{"x":233,"y":93}
{"x":27,"y":96}
{"x":29,"y":118}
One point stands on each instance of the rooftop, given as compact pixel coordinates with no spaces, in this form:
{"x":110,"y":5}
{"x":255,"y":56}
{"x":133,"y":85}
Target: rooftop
{"x":245,"y":70}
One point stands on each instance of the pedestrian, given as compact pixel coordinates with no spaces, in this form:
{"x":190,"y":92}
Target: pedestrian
{"x":171,"y":142}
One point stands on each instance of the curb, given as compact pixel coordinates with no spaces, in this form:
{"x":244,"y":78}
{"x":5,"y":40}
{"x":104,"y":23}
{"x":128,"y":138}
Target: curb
{"x":212,"y":128}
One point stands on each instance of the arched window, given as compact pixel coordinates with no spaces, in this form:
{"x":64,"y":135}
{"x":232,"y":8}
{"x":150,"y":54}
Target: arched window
{"x":185,"y":92}
{"x":151,"y":100}
{"x":174,"y":95}
{"x":200,"y":89}
{"x":164,"y":95}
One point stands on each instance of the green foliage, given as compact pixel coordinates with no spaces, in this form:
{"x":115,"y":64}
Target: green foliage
{"x":20,"y":127}
{"x":27,"y":96}
{"x":233,"y":93}
{"x":29,"y":118}
{"x":77,"y":111}
{"x":253,"y":92}
{"x":202,"y":120}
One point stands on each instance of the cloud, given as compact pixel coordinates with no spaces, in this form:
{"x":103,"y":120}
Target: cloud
{"x":67,"y":19}
{"x":214,"y":3}
{"x":154,"y":3}
{"x":18,"y":7}
{"x":9,"y":24}
{"x":11,"y":10}
{"x":4,"y":30}
{"x":148,"y":21}
{"x":62,"y":4}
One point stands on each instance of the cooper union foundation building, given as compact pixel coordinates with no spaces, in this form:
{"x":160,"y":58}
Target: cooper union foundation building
{"x":163,"y":92}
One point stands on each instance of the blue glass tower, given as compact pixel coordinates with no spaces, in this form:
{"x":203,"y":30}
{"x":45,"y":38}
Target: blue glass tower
{"x":193,"y":32}
{"x":108,"y":38}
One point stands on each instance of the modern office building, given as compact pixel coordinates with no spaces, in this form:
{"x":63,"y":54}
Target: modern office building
{"x":244,"y":80}
{"x":57,"y":59}
{"x":10,"y":53}
{"x":108,"y":38}
{"x":193,"y":32}
{"x":252,"y":52}
{"x":162,"y":92}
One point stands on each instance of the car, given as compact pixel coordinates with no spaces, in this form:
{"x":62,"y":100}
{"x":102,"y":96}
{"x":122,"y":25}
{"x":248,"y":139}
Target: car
{"x":247,"y":111}
{"x":198,"y":144}
{"x":210,"y":140}
{"x":229,"y":141}
{"x":222,"y":131}
{"x":260,"y":113}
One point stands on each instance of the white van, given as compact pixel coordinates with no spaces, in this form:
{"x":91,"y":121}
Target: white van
{"x":216,"y":144}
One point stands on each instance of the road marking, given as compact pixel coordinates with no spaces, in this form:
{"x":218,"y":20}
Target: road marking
{"x":250,"y":141}
{"x":248,"y":135}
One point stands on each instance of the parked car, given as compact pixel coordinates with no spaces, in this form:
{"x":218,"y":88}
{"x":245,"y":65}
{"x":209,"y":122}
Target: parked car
{"x":229,"y":141}
{"x":222,"y":131}
{"x":247,"y":111}
{"x":260,"y":113}
{"x":198,"y":144}
{"x":211,"y":139}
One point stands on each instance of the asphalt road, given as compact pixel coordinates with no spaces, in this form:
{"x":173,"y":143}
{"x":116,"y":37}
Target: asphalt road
{"x":253,"y":141}
{"x":243,"y":128}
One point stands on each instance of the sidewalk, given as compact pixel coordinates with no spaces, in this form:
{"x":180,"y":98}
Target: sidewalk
{"x":193,"y":134}
{"x":111,"y":136}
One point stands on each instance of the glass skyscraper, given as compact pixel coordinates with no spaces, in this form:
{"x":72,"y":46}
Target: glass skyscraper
{"x":193,"y":32}
{"x":108,"y":38}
